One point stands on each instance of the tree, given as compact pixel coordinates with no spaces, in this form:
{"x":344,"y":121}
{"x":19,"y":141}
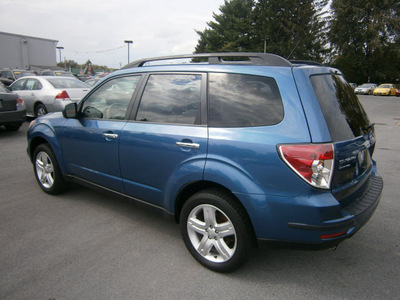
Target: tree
{"x":285,"y":27}
{"x":365,"y":39}
{"x":291,"y":28}
{"x":232,"y":30}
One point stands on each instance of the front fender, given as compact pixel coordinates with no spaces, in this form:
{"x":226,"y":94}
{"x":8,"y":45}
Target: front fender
{"x":41,"y":133}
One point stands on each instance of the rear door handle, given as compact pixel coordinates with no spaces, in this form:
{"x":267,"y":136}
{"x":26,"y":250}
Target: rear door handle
{"x":188,"y":145}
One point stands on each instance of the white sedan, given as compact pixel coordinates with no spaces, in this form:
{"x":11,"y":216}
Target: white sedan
{"x":48,"y":94}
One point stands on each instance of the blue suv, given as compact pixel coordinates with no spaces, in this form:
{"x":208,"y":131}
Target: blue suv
{"x":240,"y":148}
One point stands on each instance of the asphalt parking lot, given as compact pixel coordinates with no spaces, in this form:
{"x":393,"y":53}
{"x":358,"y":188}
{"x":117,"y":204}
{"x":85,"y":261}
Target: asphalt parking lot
{"x":86,"y":244}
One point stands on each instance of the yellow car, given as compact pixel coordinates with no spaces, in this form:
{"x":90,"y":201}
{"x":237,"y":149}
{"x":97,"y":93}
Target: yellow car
{"x":387,"y":89}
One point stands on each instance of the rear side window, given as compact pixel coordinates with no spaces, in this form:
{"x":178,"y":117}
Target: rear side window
{"x":344,"y":114}
{"x":171,"y":98}
{"x":237,"y":100}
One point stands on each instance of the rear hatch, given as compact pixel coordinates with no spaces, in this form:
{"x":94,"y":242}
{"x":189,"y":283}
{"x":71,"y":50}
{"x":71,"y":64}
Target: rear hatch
{"x":352,"y":134}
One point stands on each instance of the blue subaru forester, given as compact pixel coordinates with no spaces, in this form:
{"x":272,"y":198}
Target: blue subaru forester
{"x":239,"y":147}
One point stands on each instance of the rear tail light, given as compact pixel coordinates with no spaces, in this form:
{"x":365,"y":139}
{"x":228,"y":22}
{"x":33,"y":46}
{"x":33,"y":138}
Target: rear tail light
{"x":20,"y":102}
{"x":63,"y":96}
{"x":312,"y":162}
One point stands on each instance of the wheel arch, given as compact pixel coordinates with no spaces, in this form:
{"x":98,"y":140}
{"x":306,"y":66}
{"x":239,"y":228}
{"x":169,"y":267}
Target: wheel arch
{"x":194,"y":187}
{"x":45,"y":135}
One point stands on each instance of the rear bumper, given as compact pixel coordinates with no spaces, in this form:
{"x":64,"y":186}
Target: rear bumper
{"x":12,"y":117}
{"x":356,"y":214}
{"x":338,"y":222}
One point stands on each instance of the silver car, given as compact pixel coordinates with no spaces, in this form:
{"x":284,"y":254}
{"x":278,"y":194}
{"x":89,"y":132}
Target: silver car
{"x":48,"y":94}
{"x":365,"y":89}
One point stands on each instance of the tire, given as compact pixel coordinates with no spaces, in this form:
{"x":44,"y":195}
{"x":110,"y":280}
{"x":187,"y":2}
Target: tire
{"x":216,"y":231}
{"x":46,"y":170}
{"x":40,"y":110}
{"x":13,"y":127}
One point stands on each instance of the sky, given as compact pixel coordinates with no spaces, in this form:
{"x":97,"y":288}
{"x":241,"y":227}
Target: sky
{"x":97,"y":29}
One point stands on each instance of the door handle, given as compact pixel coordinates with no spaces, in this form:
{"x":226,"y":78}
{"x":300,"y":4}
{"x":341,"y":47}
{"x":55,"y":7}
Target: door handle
{"x":110,"y":135}
{"x":188,"y":145}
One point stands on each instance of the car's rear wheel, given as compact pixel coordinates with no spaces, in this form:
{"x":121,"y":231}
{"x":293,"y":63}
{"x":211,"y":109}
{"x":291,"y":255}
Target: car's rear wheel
{"x":216,"y":230}
{"x":40,"y":110}
{"x":46,"y":169}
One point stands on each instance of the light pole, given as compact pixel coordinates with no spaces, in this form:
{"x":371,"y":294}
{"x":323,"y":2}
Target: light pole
{"x":59,"y":49}
{"x":128,"y":42}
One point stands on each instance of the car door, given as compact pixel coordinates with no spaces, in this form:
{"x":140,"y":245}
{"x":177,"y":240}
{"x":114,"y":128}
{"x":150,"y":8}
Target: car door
{"x":165,"y":146}
{"x":91,"y":142}
{"x":31,"y":94}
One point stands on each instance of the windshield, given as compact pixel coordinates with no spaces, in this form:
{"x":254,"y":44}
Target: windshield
{"x":344,"y":114}
{"x":384,"y":86}
{"x":67,"y":83}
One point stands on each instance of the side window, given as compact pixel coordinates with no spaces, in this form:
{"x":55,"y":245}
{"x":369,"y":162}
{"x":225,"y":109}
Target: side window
{"x":111,"y":100}
{"x":171,"y":98}
{"x":18,"y":85}
{"x":237,"y":100}
{"x":33,"y":84}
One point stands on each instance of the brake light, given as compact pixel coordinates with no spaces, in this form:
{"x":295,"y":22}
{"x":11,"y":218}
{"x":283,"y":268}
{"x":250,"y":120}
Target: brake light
{"x":20,"y":102}
{"x":312,"y":162}
{"x":63,"y":96}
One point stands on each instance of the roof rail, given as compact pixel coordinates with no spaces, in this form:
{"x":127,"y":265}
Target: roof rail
{"x":306,"y":62}
{"x":259,"y":59}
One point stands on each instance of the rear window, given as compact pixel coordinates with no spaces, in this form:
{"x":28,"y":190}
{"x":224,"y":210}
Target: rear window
{"x":344,"y":114}
{"x":237,"y":100}
{"x":64,"y":83}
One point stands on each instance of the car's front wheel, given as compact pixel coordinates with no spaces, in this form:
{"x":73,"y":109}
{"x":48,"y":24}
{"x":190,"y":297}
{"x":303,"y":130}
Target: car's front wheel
{"x":46,"y":170}
{"x":216,"y":230}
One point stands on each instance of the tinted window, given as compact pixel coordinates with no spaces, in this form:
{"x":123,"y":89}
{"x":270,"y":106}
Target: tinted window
{"x":237,"y":100}
{"x":343,"y":113}
{"x":64,"y":83}
{"x":171,"y":98}
{"x":111,"y":100}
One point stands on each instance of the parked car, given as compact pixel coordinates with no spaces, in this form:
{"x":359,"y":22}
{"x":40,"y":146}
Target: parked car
{"x":398,"y":92}
{"x":238,"y":153}
{"x":386,"y":89}
{"x":366,"y":89}
{"x":9,"y":76}
{"x":43,"y":94}
{"x":12,"y":109}
{"x":92,"y":82}
{"x":56,"y":73}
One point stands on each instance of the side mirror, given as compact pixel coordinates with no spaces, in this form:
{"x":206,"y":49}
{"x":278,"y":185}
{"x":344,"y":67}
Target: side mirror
{"x":70,"y":111}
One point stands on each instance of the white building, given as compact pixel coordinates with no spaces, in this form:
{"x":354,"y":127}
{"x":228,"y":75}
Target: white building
{"x":26,"y":52}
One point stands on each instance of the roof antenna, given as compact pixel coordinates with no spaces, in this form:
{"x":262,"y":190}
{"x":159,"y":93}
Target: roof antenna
{"x":293,"y":50}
